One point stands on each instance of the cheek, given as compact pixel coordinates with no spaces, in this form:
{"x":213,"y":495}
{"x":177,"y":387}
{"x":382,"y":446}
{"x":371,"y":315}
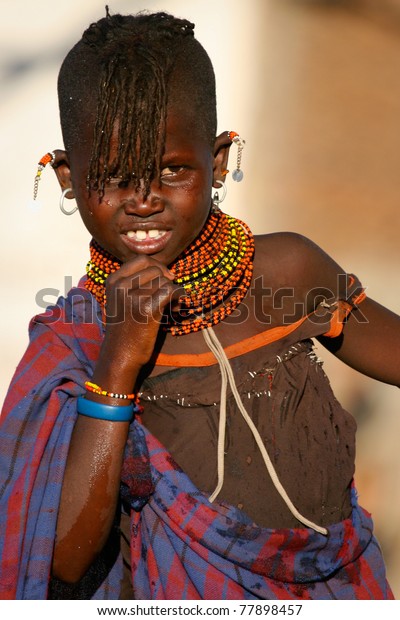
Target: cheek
{"x":89,"y":204}
{"x":194,"y":213}
{"x":95,"y":216}
{"x":86,"y":212}
{"x":198,"y":201}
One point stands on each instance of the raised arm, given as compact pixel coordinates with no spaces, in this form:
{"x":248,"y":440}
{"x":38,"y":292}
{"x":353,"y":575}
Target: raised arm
{"x":136,"y":297}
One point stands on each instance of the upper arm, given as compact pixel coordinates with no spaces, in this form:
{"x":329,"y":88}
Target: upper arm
{"x":370,"y":340}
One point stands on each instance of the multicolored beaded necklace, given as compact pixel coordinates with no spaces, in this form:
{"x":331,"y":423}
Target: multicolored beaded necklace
{"x":215,"y":271}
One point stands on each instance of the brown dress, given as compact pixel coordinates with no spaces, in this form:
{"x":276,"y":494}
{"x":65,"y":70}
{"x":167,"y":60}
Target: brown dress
{"x":309,"y":437}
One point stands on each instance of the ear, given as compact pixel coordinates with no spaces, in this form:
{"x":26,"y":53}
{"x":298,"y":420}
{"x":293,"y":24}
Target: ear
{"x":221,"y":154}
{"x":62,"y":169}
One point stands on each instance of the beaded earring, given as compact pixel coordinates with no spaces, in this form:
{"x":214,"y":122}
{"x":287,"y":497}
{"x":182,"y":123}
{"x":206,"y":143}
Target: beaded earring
{"x":237,"y":175}
{"x":49,"y":158}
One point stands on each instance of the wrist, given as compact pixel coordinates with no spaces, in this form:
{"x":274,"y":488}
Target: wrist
{"x":96,"y":389}
{"x":102,"y":395}
{"x":100,"y":411}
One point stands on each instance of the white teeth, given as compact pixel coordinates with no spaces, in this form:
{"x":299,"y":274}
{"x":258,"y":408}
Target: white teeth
{"x":141,"y":235}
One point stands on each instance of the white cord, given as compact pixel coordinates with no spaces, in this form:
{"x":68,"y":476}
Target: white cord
{"x":222,"y":418}
{"x":227,"y":375}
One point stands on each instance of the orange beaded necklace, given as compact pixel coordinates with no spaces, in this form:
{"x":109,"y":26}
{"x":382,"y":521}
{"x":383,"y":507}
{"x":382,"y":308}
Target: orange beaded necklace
{"x":215,"y":271}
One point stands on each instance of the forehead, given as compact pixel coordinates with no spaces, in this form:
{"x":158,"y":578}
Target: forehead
{"x":182,"y":125}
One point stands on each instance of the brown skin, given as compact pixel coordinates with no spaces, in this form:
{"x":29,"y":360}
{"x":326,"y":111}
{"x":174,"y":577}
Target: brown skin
{"x":179,"y":204}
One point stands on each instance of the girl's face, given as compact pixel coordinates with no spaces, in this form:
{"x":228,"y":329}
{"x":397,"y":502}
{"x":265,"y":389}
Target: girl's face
{"x":173,"y":213}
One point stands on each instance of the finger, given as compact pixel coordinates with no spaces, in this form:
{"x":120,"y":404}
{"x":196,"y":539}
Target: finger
{"x":142,"y":263}
{"x":139,"y":280}
{"x":176,"y":297}
{"x":178,"y":292}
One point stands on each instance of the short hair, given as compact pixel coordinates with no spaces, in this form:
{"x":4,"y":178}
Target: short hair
{"x":123,"y":70}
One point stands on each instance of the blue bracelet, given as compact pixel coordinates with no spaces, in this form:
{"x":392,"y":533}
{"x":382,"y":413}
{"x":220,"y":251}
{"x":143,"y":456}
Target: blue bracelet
{"x":113,"y":413}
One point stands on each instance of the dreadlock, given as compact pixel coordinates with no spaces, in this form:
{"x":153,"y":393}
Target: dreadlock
{"x":118,"y":76}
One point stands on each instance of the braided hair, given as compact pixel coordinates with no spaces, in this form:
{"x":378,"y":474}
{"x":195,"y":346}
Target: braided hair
{"x":120,"y":76}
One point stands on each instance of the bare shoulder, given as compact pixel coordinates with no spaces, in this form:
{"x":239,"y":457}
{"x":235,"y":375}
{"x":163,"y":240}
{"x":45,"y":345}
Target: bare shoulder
{"x":290,"y":260}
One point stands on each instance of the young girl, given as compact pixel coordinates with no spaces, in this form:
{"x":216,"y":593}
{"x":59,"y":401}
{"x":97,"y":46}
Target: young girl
{"x":169,"y":433}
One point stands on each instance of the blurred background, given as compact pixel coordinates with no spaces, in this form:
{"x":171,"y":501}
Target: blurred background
{"x":314,"y":88}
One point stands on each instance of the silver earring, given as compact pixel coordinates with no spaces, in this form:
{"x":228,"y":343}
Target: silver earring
{"x":63,"y":209}
{"x":216,"y":198}
{"x":237,"y":175}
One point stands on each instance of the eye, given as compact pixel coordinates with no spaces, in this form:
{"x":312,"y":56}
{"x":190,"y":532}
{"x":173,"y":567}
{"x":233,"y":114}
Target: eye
{"x":117,"y":182}
{"x":112,"y":181}
{"x":170,"y":171}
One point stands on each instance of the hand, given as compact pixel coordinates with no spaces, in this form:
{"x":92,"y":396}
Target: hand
{"x":136,"y":298}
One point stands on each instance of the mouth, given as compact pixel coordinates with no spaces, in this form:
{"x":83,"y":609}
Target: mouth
{"x":146,"y":241}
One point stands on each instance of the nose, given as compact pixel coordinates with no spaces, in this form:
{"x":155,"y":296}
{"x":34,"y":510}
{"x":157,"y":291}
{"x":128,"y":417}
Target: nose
{"x":137,"y":202}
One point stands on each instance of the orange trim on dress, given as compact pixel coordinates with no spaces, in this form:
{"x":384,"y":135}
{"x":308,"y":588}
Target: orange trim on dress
{"x":232,"y":350}
{"x":257,"y":341}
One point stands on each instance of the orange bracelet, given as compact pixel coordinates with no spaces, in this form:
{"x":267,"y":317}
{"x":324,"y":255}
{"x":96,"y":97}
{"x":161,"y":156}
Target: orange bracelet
{"x":92,"y":387}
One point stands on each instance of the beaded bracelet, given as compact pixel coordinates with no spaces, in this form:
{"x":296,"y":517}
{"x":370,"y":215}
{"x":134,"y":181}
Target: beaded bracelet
{"x":96,"y":389}
{"x":112,"y":413}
